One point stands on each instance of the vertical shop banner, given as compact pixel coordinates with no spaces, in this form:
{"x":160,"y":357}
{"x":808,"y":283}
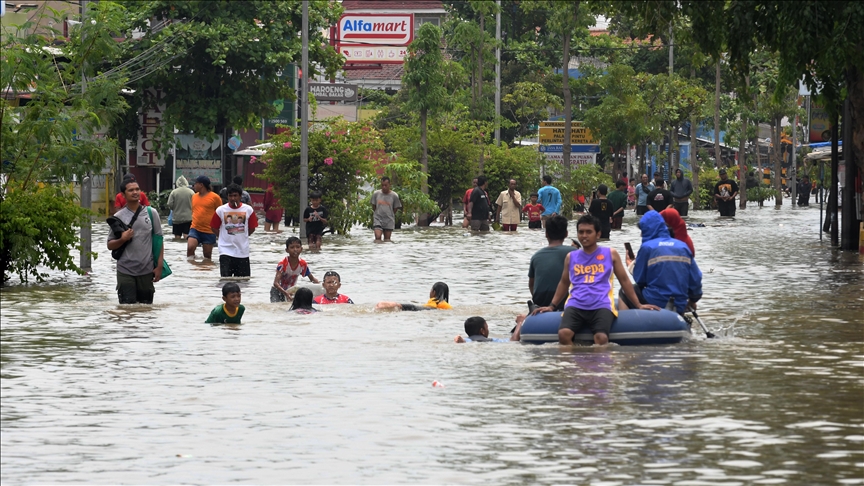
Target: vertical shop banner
{"x":197,"y":157}
{"x":149,"y":150}
{"x":287,"y":108}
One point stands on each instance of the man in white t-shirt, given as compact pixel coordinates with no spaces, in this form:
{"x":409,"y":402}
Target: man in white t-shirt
{"x":235,"y":222}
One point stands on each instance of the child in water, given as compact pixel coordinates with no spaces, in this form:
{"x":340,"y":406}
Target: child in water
{"x":231,"y":311}
{"x":331,"y":295}
{"x":439,"y":298}
{"x":478,"y":331}
{"x":302,"y":303}
{"x":289,"y":270}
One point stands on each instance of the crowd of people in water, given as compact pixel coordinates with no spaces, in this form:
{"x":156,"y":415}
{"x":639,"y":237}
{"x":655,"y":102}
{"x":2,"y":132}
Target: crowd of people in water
{"x":575,"y":279}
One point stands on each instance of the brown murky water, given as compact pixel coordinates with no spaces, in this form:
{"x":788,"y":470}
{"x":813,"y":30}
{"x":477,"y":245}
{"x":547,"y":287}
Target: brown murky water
{"x":94,"y":392}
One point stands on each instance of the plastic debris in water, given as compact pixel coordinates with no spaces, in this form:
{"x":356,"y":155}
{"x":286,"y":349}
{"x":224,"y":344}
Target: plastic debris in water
{"x":437,"y":384}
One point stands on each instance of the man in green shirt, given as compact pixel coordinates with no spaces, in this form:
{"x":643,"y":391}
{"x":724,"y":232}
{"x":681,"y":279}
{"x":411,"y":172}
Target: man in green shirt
{"x":231,"y":311}
{"x":618,"y":198}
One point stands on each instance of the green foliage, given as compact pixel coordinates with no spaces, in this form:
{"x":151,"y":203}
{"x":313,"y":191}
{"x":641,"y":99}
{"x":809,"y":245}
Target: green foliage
{"x":528,"y":103}
{"x":406,"y":179}
{"x":708,"y":177}
{"x":38,"y":230}
{"x":622,"y":118}
{"x":53,"y":139}
{"x":761,"y":194}
{"x":340,"y":159}
{"x":231,"y":55}
{"x":504,"y":163}
{"x":424,"y":74}
{"x":159,"y":201}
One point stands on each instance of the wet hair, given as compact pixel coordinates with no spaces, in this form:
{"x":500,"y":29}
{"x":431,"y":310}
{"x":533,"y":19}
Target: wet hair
{"x":473,"y":325}
{"x":238,"y":180}
{"x":661,"y":183}
{"x":315,"y":195}
{"x":588,"y":219}
{"x":621,"y":183}
{"x":331,"y":273}
{"x":556,"y":228}
{"x":385,"y":178}
{"x":127,"y":182}
{"x":547,"y":178}
{"x":230,"y":288}
{"x":534,"y":194}
{"x":481,"y":180}
{"x":234,"y":189}
{"x":602,"y":189}
{"x":302,"y":299}
{"x":292,"y":239}
{"x":441,"y":291}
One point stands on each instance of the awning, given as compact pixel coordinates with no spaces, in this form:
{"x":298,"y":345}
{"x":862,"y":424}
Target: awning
{"x":256,"y":150}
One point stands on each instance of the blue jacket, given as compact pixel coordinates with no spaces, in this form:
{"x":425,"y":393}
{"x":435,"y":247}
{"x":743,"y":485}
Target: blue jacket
{"x":550,"y":198}
{"x":665,"y":267}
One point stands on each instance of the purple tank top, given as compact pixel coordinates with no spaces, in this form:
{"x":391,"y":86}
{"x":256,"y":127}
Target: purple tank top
{"x":591,"y":286}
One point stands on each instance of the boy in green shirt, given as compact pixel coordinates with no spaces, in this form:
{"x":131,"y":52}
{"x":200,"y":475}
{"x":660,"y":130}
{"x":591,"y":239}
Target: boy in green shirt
{"x":231,"y":311}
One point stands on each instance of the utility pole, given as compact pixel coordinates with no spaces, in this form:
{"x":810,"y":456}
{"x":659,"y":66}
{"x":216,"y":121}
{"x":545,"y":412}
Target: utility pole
{"x":86,"y":183}
{"x":498,"y":75}
{"x":304,"y":120}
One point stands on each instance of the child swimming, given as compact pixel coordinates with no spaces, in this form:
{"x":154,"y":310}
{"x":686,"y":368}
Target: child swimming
{"x":231,"y":311}
{"x":302,"y":303}
{"x":331,"y":295}
{"x":439,"y":298}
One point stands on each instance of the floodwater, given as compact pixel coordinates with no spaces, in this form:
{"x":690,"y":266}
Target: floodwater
{"x":95,"y":392}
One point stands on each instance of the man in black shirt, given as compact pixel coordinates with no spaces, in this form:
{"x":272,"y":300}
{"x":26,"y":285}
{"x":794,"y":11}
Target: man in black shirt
{"x":724,"y":193}
{"x":659,"y":199}
{"x":601,"y":208}
{"x":478,"y":206}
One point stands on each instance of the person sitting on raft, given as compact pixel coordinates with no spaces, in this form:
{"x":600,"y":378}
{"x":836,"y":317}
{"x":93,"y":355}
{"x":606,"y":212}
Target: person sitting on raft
{"x":677,"y":227}
{"x":478,"y":331}
{"x":439,"y":298}
{"x":665,"y":270}
{"x":588,"y":276}
{"x":302,"y":303}
{"x":331,"y":295}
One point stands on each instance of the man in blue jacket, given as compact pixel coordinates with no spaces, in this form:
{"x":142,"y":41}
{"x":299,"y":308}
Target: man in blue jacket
{"x":664,"y":269}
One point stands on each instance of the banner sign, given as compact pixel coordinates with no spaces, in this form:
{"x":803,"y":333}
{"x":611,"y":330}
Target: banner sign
{"x":197,"y":157}
{"x":375,"y":38}
{"x":557,"y":148}
{"x":287,"y":108}
{"x":147,"y":149}
{"x":553,"y":132}
{"x":333,"y":91}
{"x":576,"y":158}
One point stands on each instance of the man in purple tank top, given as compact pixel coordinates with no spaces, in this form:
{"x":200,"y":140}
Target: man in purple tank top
{"x":588,"y":274}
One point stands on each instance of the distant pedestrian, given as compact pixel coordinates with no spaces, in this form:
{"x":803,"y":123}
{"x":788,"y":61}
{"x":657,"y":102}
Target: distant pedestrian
{"x":534,"y":210}
{"x":272,"y":211}
{"x":631,"y":194}
{"x":642,"y":190}
{"x":385,"y":205}
{"x":659,"y":199}
{"x":658,"y":178}
{"x":180,"y":203}
{"x":509,"y":207}
{"x":235,"y":222}
{"x":316,"y":217}
{"x":478,"y":206}
{"x":466,"y":220}
{"x":618,"y":198}
{"x":681,"y":190}
{"x":550,"y":198}
{"x":724,"y":193}
{"x":804,"y":191}
{"x":204,"y":206}
{"x":601,"y":209}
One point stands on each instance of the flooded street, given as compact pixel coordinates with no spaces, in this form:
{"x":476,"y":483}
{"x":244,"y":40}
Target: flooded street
{"x":95,"y":392}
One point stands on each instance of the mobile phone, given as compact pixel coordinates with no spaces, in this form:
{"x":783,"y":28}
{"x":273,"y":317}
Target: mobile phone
{"x":575,"y":243}
{"x":629,"y":251}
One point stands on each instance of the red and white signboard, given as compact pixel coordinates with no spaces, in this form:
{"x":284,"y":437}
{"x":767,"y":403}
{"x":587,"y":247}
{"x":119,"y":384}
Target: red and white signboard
{"x":375,"y":38}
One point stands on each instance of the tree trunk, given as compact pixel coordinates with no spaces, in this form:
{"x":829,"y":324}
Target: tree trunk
{"x":673,"y":152}
{"x":778,"y":160}
{"x":742,"y":164}
{"x":694,"y":165}
{"x":424,"y":162}
{"x":717,"y":149}
{"x":568,"y":105}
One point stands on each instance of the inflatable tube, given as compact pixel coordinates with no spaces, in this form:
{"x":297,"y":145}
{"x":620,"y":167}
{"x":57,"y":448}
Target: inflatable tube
{"x":632,"y":327}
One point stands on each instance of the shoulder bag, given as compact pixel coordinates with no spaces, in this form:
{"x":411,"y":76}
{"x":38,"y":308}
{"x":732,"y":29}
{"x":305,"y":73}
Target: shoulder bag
{"x":158,"y":241}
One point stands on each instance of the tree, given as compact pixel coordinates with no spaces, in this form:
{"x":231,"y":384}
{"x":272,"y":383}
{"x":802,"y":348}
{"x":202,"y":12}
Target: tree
{"x":424,"y":81}
{"x":218,"y":63}
{"x":529,"y":102}
{"x":53,"y":139}
{"x":341,"y":156}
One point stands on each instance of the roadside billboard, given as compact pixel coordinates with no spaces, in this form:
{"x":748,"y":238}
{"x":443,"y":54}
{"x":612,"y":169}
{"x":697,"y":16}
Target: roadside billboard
{"x":375,"y":37}
{"x":553,"y":132}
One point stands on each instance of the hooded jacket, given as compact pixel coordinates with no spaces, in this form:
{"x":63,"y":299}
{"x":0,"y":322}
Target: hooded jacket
{"x":180,"y":201}
{"x":665,"y":267}
{"x":679,"y":228}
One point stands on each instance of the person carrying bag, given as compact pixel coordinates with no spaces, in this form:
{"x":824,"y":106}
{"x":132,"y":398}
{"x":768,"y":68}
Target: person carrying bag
{"x":158,"y":242}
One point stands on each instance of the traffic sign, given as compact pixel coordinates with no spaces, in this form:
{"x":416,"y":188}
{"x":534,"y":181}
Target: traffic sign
{"x":558,"y":148}
{"x":553,"y":132}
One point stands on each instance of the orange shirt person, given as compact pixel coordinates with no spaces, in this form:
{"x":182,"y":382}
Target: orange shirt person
{"x":204,"y":205}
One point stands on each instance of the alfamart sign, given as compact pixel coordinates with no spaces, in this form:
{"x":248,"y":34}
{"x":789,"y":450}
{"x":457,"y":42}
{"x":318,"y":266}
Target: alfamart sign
{"x":375,"y":38}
